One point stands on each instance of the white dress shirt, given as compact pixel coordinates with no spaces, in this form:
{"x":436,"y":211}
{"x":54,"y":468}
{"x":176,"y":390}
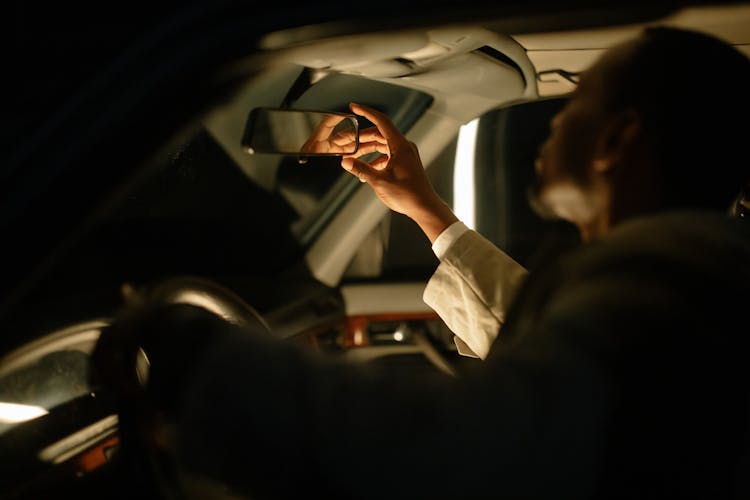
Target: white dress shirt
{"x":472,"y":287}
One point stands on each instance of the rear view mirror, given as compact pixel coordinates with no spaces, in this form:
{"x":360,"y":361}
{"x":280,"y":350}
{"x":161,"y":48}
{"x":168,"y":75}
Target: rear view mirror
{"x":298,"y":132}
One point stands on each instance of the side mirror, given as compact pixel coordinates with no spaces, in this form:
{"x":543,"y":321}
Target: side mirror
{"x":299,"y":132}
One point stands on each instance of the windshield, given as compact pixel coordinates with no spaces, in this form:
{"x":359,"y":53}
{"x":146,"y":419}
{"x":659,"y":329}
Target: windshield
{"x":205,"y":207}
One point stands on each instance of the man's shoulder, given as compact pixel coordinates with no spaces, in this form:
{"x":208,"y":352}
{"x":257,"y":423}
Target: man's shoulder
{"x":663,"y":280}
{"x":661,"y":266}
{"x":704,"y":242}
{"x":694,"y":224}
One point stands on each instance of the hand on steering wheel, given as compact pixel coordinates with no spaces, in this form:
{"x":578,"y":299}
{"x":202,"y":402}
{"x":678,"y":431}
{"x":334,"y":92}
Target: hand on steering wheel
{"x":173,"y":337}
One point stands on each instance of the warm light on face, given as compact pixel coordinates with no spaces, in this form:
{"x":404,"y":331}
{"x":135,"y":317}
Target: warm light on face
{"x":463,"y":174}
{"x":13,"y":413}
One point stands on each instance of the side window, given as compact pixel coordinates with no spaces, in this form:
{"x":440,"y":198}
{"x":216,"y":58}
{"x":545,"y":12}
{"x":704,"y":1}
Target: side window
{"x":508,"y":141}
{"x":505,"y":144}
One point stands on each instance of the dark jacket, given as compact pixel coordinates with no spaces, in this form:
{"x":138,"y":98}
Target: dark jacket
{"x":623,"y":372}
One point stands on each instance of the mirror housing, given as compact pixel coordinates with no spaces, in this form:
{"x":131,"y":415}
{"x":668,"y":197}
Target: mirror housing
{"x":300,"y":132}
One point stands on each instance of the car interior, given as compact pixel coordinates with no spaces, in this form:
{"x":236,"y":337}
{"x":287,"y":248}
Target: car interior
{"x":304,"y":248}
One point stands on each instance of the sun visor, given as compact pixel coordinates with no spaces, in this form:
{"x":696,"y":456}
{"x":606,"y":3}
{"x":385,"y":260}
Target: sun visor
{"x":474,"y":73}
{"x":467,"y":70}
{"x":350,"y":52}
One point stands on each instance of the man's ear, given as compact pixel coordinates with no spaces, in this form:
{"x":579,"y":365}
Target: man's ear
{"x":616,"y":140}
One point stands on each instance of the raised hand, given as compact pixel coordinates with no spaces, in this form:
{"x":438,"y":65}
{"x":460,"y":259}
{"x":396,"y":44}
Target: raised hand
{"x":397,"y":176}
{"x":323,"y":141}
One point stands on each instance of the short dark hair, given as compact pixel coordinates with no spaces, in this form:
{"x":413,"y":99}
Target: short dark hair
{"x":693,"y":93}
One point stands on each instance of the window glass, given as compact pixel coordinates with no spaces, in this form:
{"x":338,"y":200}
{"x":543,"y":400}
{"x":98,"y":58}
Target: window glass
{"x":206,"y":208}
{"x":269,"y":198}
{"x":46,"y":373}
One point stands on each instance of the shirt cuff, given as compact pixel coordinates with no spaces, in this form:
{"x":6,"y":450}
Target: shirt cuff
{"x":449,"y":236}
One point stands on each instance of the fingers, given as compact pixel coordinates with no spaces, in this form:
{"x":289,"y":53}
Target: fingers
{"x":326,"y":126}
{"x":367,"y":148}
{"x":346,"y":148}
{"x":358,"y":168}
{"x":314,"y":147}
{"x":383,"y":124}
{"x":343,"y":138}
{"x":366,"y":135}
{"x":379,"y":163}
{"x":371,"y":134}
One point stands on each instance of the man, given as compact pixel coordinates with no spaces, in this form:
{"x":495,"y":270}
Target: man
{"x":599,"y":168}
{"x":622,"y":366}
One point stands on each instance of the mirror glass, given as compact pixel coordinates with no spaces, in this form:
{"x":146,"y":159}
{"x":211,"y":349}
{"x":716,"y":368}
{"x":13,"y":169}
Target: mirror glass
{"x":305,"y":133}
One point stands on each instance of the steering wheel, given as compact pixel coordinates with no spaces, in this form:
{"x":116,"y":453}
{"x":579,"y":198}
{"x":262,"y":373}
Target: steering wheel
{"x":209,"y":295}
{"x":120,"y":364}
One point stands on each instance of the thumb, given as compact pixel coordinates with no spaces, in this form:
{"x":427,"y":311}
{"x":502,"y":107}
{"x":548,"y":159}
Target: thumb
{"x":360,"y":169}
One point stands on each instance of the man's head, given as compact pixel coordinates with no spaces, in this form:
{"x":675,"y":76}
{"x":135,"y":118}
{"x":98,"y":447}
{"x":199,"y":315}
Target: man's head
{"x":658,"y":122}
